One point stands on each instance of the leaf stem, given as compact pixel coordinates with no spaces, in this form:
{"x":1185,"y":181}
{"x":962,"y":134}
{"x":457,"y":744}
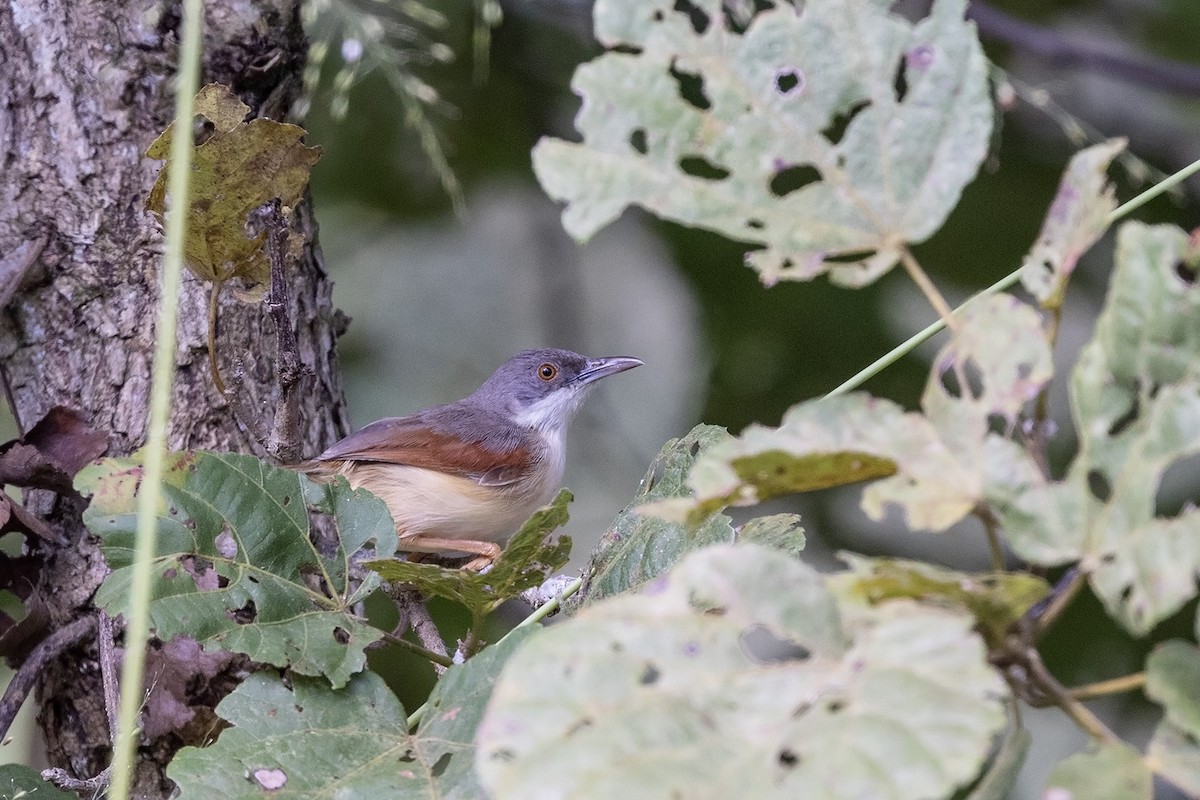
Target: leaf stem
{"x":1126,"y":683}
{"x":993,"y":537}
{"x":137,"y":627}
{"x":921,"y":279}
{"x":214,"y":295}
{"x":910,"y":344}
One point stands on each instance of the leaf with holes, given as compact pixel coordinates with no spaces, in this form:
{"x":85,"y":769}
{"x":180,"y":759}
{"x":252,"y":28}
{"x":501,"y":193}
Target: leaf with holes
{"x":934,"y":466}
{"x":1108,"y":772}
{"x":996,"y":599}
{"x":826,"y":137}
{"x":741,"y":651}
{"x":240,"y":166}
{"x":642,"y":544}
{"x":307,"y":740}
{"x":238,"y":566}
{"x":1135,"y":397}
{"x":530,"y":556}
{"x":1077,"y":219}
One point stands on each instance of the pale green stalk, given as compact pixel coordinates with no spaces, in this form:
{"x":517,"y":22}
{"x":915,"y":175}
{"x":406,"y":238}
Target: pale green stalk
{"x":137,"y":626}
{"x":912,"y":342}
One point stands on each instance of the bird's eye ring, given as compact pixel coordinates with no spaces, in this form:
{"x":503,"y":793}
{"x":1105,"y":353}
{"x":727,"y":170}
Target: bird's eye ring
{"x":547,"y":371}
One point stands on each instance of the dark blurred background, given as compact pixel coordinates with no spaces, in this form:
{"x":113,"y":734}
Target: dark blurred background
{"x":439,"y":298}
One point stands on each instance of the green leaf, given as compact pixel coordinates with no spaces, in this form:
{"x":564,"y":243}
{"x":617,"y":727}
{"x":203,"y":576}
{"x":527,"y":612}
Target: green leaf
{"x":781,"y":531}
{"x":238,"y":168}
{"x":317,"y":742}
{"x":1173,"y":679}
{"x":787,"y":134}
{"x":641,"y":544}
{"x":996,"y":600}
{"x":1077,"y":219}
{"x":530,"y":556}
{"x":1176,"y":757}
{"x":938,"y":461}
{"x":1135,"y":397}
{"x":1110,"y":772}
{"x":445,"y":739}
{"x":238,"y":566}
{"x":735,"y":676}
{"x":18,"y":782}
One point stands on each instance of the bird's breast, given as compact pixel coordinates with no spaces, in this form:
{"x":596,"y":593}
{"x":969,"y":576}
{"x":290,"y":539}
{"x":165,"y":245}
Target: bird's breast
{"x":429,"y":503}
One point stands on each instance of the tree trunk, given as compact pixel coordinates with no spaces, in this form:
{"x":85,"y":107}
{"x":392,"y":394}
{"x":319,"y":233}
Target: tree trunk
{"x":85,"y":86}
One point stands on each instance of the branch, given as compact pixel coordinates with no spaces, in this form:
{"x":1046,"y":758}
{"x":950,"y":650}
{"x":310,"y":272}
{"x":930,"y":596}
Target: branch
{"x":48,"y":650}
{"x":284,"y":443}
{"x":1099,"y":56}
{"x":416,"y":613}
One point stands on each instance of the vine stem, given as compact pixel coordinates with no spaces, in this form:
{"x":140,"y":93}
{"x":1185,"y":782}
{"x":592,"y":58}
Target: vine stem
{"x":1126,"y":683}
{"x":1154,"y":191}
{"x":137,"y":626}
{"x":538,"y":615}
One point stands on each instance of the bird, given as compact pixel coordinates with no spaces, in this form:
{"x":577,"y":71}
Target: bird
{"x":460,"y":478}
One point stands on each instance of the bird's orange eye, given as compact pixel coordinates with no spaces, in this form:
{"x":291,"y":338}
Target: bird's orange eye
{"x":547,"y":372}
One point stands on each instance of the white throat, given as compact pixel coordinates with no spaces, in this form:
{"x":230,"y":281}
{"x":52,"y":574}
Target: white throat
{"x":550,"y":416}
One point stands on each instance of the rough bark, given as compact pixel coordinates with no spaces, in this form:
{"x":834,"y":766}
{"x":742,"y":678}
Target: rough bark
{"x":85,"y":86}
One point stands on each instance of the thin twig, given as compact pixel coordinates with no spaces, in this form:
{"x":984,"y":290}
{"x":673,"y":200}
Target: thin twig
{"x":35,"y":664}
{"x":1046,"y":613}
{"x":1126,"y":683}
{"x":412,"y":608}
{"x":89,"y":786}
{"x":106,"y":647}
{"x":1076,"y":710}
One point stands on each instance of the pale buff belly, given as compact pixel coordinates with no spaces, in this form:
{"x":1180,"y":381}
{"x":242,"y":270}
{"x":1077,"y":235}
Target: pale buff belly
{"x":427,"y":503}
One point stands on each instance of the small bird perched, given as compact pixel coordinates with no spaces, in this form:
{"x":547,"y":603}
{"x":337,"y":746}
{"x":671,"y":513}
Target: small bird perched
{"x":461,"y":477}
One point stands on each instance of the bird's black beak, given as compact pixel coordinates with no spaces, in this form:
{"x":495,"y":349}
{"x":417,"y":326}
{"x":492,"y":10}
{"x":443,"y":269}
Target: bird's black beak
{"x":598,"y":368}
